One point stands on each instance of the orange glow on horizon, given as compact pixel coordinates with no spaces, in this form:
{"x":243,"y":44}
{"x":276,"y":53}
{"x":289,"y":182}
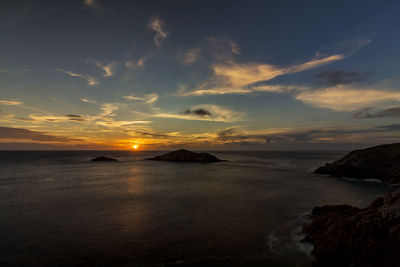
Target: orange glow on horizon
{"x":135,"y":147}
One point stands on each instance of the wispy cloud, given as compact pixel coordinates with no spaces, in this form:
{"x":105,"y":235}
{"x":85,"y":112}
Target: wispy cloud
{"x":109,"y":69}
{"x":346,"y":98}
{"x":131,"y":64}
{"x":91,"y":81}
{"x":88,"y":100}
{"x":105,"y":118}
{"x":250,"y":89}
{"x":233,"y":77}
{"x":149,"y":98}
{"x":10,"y":102}
{"x":158,"y":26}
{"x":108,"y":109}
{"x":107,"y":112}
{"x":211,"y":48}
{"x":236,"y":78}
{"x":191,"y":55}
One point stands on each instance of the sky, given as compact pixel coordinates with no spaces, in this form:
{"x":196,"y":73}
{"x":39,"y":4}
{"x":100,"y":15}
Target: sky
{"x":206,"y":75}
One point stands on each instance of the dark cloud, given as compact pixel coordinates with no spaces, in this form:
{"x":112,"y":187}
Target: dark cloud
{"x":73,"y":117}
{"x":24,"y":119}
{"x":147,"y":134}
{"x":342,"y":76}
{"x":17,"y":133}
{"x":391,"y":127}
{"x":199,"y":112}
{"x":389,"y":112}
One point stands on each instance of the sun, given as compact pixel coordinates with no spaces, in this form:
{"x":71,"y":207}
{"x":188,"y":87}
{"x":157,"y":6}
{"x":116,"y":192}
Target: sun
{"x":135,"y":146}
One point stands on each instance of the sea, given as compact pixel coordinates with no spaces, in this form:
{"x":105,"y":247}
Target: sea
{"x":59,"y":209}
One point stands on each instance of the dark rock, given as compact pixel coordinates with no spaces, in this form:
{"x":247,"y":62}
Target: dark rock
{"x":379,"y":162}
{"x":346,"y":236}
{"x":183,"y":155}
{"x":103,"y":159}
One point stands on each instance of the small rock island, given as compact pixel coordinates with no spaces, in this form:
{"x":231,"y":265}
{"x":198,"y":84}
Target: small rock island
{"x":99,"y":159}
{"x":379,"y":162}
{"x":343,"y":235}
{"x":183,"y":155}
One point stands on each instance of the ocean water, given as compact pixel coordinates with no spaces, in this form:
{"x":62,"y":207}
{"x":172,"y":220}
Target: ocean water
{"x":57,"y":208}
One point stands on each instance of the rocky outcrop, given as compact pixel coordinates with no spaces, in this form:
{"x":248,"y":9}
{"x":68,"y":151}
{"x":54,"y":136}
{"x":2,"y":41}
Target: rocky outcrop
{"x":183,"y":155}
{"x":379,"y":162}
{"x":103,"y":159}
{"x":347,"y":236}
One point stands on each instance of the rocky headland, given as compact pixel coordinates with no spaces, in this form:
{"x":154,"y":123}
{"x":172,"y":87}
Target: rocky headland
{"x":379,"y":162}
{"x":343,"y":235}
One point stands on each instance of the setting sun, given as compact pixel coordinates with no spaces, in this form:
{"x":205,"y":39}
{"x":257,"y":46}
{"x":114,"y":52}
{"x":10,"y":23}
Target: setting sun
{"x":135,"y":146}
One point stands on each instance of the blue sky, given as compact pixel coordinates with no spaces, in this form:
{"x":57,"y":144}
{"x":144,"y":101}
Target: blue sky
{"x":97,"y":74}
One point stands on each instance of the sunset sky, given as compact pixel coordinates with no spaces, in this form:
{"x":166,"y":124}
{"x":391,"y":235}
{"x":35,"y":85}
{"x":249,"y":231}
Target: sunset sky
{"x":239,"y":75}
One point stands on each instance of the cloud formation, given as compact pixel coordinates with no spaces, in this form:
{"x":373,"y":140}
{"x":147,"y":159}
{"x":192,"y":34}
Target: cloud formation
{"x":388,"y":112}
{"x":109,"y":69}
{"x":191,"y":55}
{"x":199,"y":112}
{"x":149,"y":98}
{"x":345,"y":98}
{"x":10,"y":102}
{"x":158,"y":26}
{"x":205,"y":112}
{"x":88,"y":100}
{"x":342,"y":76}
{"x":210,"y":49}
{"x":17,"y":133}
{"x":233,"y":78}
{"x":250,"y":89}
{"x":322,"y":135}
{"x":74,"y":117}
{"x":91,"y":81}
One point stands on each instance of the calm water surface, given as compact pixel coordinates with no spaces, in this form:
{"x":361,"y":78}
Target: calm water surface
{"x":57,"y":208}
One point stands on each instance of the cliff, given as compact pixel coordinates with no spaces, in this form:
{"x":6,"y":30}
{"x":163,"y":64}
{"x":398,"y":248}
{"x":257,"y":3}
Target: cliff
{"x":379,"y":162}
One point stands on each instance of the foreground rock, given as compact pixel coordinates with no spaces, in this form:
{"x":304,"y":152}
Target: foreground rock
{"x":347,"y":236}
{"x":103,"y":159}
{"x":183,"y":155}
{"x":379,"y":162}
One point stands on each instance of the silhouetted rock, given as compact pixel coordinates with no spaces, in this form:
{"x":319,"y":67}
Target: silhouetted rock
{"x":103,"y":159}
{"x":379,"y":162}
{"x":347,"y":236}
{"x":183,"y":155}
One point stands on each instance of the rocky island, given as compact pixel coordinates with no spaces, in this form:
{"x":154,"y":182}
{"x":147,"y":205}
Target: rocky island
{"x":103,"y":159}
{"x":379,"y":162}
{"x":343,"y":235}
{"x":183,"y":155}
